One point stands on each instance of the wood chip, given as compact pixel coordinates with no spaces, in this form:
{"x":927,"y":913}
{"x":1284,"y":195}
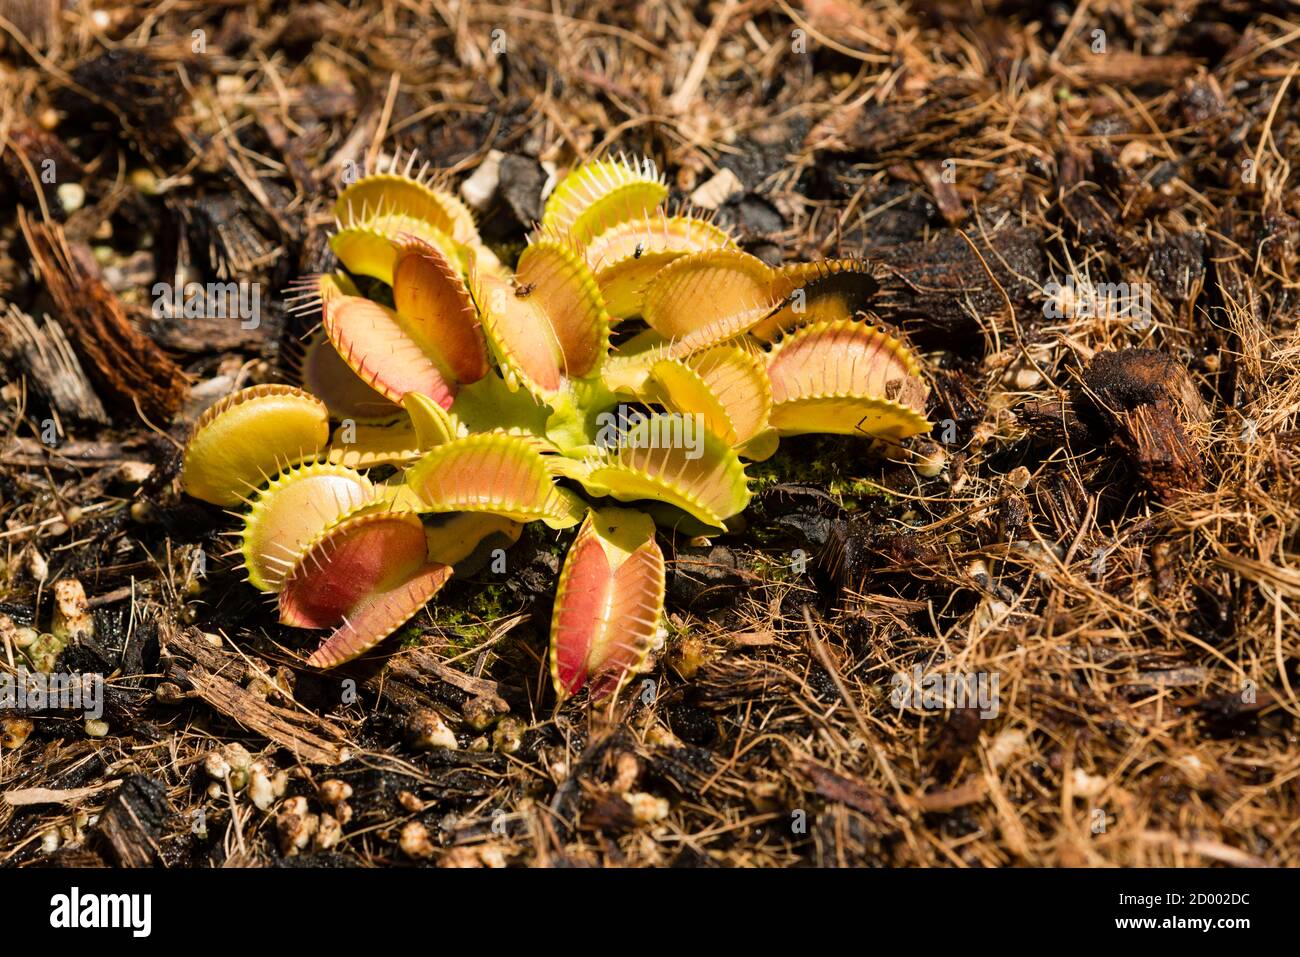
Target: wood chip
{"x":311,"y":739}
{"x":25,"y":797}
{"x":133,"y":822}
{"x":128,"y":368}
{"x":836,"y":787}
{"x":51,"y":367}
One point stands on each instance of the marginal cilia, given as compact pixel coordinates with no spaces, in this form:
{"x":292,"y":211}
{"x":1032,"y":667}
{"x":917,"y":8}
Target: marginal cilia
{"x":491,"y":392}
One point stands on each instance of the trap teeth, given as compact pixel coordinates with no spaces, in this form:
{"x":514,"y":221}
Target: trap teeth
{"x":364,"y":577}
{"x":626,"y":257}
{"x":601,"y":194}
{"x":700,"y":290}
{"x":430,"y":343}
{"x":291,"y":512}
{"x":669,"y":458}
{"x":548,"y":325}
{"x":846,"y":378}
{"x":347,"y":396}
{"x":391,"y":193}
{"x":492,"y":473}
{"x":726,"y":384}
{"x":246,"y":438}
{"x":608,"y":603}
{"x":825,"y":291}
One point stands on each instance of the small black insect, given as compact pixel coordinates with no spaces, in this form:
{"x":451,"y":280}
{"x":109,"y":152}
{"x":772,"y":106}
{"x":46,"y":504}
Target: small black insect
{"x":640,"y":248}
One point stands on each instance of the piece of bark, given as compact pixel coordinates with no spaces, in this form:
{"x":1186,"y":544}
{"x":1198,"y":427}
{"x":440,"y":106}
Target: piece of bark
{"x":417,"y":681}
{"x":1177,"y":266}
{"x":836,"y":787}
{"x":134,"y":93}
{"x":74,"y":454}
{"x":128,"y":368}
{"x":1084,"y":205}
{"x":73,"y":857}
{"x":945,"y":192}
{"x":24,"y":797}
{"x":286,"y":728}
{"x":45,"y":357}
{"x":132,"y":822}
{"x":972,"y":791}
{"x":1147,"y":403}
{"x":939,"y":289}
{"x":1131,"y":69}
{"x":425,"y":661}
{"x":32,"y":154}
{"x":204,"y":335}
{"x":1063,"y":499}
{"x":208,"y":670}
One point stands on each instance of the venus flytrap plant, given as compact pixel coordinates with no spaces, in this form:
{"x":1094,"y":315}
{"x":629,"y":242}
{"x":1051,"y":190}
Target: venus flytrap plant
{"x":499,"y":399}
